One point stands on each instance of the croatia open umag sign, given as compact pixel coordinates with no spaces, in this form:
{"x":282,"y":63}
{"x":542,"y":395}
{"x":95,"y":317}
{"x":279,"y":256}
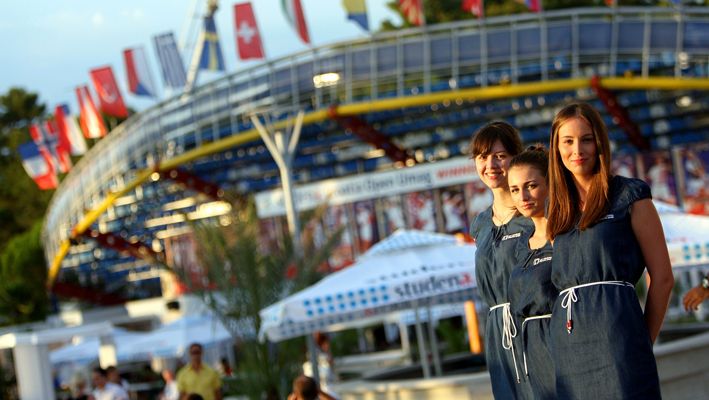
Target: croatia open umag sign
{"x":370,"y":186}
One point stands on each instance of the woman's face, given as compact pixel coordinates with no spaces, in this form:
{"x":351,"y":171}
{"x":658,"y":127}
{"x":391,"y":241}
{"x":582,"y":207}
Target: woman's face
{"x":529,"y":190}
{"x":492,"y":168}
{"x":577,"y":147}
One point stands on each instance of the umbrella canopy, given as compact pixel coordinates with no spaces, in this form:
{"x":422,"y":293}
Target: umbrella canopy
{"x":401,"y":271}
{"x":172,"y":340}
{"x":86,"y":351}
{"x":686,"y":235}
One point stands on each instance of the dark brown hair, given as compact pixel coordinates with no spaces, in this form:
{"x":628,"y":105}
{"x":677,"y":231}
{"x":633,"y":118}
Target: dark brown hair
{"x":535,"y":156}
{"x":564,"y":200}
{"x":485,"y":137}
{"x":305,"y":388}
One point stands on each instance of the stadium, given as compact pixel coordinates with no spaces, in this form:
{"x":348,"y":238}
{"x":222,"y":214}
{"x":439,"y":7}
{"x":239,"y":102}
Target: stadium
{"x":400,"y":101}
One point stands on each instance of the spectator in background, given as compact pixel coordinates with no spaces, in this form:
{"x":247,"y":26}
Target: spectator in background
{"x":198,"y":378}
{"x":105,"y":390}
{"x":115,"y":377}
{"x":224,"y":367}
{"x":170,"y":392}
{"x":696,"y":295}
{"x":305,"y":388}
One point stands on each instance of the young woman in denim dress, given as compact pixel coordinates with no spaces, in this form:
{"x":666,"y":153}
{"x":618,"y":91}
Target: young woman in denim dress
{"x":531,"y":292}
{"x":605,"y":232}
{"x":497,"y":231}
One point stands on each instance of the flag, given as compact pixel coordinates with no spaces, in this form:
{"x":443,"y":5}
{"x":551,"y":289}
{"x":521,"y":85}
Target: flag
{"x":413,"y":11}
{"x":357,"y":12}
{"x":91,"y":121}
{"x":69,"y":131}
{"x":44,"y":135}
{"x":140,"y":82}
{"x":475,"y":7}
{"x":248,"y":38}
{"x":211,"y":58}
{"x":296,"y":17}
{"x":533,"y":5}
{"x":109,"y":96}
{"x":173,"y":70}
{"x":37,"y":166}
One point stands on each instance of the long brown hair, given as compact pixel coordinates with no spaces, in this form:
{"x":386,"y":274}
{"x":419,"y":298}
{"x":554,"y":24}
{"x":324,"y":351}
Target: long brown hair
{"x":564,"y":200}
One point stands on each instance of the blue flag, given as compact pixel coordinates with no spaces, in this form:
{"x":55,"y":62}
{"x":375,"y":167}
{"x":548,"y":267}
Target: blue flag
{"x":211,"y":57}
{"x":173,"y":70}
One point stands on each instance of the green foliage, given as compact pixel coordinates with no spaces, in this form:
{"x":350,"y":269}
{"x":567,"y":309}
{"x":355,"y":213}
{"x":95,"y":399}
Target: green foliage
{"x":23,"y":275}
{"x":453,"y":336}
{"x":242,"y":277}
{"x":21,"y":202}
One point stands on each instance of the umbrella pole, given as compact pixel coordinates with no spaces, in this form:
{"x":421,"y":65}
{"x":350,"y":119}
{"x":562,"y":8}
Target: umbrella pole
{"x":423,"y":354}
{"x":405,"y":343}
{"x":434,"y":342}
{"x":313,"y":358}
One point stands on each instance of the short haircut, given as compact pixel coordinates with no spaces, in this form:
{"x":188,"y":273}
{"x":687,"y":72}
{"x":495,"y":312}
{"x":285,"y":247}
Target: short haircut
{"x":195,"y":344}
{"x":100,"y":371}
{"x":485,"y":137}
{"x":305,"y":388}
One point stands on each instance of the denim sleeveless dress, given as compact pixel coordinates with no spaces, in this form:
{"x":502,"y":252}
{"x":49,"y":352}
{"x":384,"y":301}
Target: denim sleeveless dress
{"x":600,"y":344}
{"x":495,"y":257}
{"x":532,"y":296}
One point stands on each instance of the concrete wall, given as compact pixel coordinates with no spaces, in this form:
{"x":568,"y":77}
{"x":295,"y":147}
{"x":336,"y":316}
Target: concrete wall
{"x":683,"y":367}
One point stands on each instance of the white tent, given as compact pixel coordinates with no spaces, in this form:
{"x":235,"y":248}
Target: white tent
{"x":172,"y":340}
{"x":407,"y":269}
{"x":687,"y":236}
{"x":86,"y":349}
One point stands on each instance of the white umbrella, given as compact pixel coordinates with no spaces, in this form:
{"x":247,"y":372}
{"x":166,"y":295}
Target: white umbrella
{"x":686,"y":235}
{"x":86,"y":350}
{"x":171,"y":340}
{"x":407,"y":269}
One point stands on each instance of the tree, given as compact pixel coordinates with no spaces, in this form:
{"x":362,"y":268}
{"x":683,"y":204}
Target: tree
{"x":21,"y":202}
{"x":241,"y":276}
{"x":23,"y":275}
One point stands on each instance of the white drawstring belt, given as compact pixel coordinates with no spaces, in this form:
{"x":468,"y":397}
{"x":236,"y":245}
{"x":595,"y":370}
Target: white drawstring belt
{"x":524,"y":346}
{"x":569,"y":298}
{"x":509,"y":331}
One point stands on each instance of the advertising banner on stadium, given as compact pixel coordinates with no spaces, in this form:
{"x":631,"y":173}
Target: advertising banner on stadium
{"x":453,"y":171}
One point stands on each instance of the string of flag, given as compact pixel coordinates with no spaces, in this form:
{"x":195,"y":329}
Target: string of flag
{"x":55,"y":140}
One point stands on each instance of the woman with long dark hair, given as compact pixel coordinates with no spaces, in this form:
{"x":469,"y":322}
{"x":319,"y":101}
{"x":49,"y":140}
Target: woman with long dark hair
{"x":605,"y":232}
{"x":531,"y":292}
{"x":497,"y":231}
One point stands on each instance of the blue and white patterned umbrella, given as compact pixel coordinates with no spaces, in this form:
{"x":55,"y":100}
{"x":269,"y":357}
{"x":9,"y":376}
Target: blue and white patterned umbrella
{"x":406,"y":269}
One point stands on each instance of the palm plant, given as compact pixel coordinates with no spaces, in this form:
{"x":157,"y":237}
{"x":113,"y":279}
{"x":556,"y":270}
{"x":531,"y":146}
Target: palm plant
{"x":241,"y":276}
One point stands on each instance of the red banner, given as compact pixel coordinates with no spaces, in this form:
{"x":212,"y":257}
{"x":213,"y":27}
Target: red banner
{"x":91,"y":121}
{"x":248,"y":38}
{"x":109,"y":95}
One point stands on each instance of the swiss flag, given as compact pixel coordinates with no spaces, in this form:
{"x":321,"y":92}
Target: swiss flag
{"x":475,"y":7}
{"x":109,"y":96}
{"x":248,"y":38}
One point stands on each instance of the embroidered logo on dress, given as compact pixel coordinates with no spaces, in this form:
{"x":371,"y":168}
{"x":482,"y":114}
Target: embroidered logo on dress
{"x":541,"y":260}
{"x":609,"y":216}
{"x":511,"y":236}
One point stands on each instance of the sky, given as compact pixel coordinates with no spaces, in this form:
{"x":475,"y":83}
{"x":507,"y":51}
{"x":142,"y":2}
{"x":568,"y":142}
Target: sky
{"x":49,"y":46}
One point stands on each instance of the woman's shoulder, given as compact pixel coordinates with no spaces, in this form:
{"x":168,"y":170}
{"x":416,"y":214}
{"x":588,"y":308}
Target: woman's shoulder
{"x":626,"y":191}
{"x":481,"y":220}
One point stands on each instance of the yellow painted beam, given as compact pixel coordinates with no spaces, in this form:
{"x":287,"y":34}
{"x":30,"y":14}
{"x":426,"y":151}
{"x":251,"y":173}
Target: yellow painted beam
{"x":479,"y":93}
{"x":657,"y":83}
